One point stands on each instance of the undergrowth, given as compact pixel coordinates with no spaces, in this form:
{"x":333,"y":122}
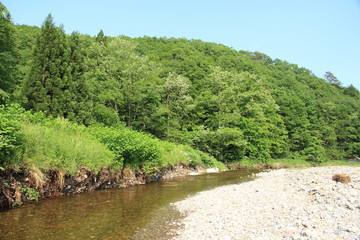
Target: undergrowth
{"x":39,"y":143}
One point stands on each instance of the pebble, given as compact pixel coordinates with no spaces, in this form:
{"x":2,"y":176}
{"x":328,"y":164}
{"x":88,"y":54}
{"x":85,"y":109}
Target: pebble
{"x":280,"y":204}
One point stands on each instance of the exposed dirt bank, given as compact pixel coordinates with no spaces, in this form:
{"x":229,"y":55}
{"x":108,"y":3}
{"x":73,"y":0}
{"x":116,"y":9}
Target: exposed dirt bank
{"x":18,"y":186}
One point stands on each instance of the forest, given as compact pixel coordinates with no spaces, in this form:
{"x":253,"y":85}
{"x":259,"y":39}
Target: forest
{"x":68,"y":100}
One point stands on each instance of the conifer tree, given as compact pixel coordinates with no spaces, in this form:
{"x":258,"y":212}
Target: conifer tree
{"x":7,"y":53}
{"x":101,"y":38}
{"x":78,"y":100}
{"x":330,"y":78}
{"x":47,"y":85}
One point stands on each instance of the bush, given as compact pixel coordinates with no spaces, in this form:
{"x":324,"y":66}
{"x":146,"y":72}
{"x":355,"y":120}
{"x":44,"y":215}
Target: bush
{"x":226,"y":144}
{"x":131,"y":148}
{"x":10,"y":135}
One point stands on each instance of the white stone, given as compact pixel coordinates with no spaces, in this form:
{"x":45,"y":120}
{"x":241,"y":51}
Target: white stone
{"x":264,"y":208}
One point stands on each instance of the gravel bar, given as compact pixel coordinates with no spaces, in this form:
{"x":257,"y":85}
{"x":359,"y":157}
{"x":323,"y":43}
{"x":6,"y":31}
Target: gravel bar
{"x":278,"y":204}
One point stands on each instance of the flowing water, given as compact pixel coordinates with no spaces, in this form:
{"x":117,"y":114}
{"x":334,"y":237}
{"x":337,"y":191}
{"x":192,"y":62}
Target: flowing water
{"x":139,"y":212}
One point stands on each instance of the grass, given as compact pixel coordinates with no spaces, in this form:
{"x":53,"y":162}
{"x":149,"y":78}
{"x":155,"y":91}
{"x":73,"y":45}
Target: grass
{"x":286,"y":163}
{"x":173,"y":154}
{"x":57,"y":144}
{"x":62,"y":147}
{"x":340,"y":163}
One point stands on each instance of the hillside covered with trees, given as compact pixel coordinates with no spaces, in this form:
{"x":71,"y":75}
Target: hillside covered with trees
{"x":145,"y":93}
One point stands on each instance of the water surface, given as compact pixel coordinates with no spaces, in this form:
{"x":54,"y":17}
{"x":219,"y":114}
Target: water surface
{"x":139,"y":212}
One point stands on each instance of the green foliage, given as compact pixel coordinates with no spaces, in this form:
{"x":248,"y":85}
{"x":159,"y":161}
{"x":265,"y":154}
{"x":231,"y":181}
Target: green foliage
{"x":138,"y":150}
{"x":10,"y":134}
{"x":47,"y":143}
{"x":7,"y":54}
{"x":47,"y":86}
{"x":55,"y":83}
{"x":77,"y":100}
{"x":173,"y":153}
{"x":122,"y":82}
{"x":330,"y":78}
{"x":233,"y":105}
{"x":226,"y":144}
{"x":211,"y":162}
{"x":30,"y":193}
{"x":16,"y":204}
{"x":272,"y":163}
{"x":177,"y":103}
{"x":131,"y":149}
{"x":183,"y":154}
{"x":61,"y":145}
{"x":4,"y":182}
{"x":25,"y":37}
{"x":196,"y":157}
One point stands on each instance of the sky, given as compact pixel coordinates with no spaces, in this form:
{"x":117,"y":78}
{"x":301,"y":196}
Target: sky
{"x":320,"y":35}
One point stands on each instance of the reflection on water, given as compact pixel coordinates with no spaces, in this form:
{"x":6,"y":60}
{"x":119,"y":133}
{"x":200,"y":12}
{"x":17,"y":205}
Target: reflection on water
{"x":109,"y":214}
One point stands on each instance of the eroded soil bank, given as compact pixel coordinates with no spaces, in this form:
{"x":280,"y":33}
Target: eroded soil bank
{"x":19,"y":186}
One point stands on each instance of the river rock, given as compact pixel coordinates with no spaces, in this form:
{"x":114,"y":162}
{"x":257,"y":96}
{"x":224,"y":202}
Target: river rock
{"x":278,"y":204}
{"x":212,"y":170}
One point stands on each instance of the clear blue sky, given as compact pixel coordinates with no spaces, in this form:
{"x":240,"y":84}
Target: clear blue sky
{"x":321,"y":35}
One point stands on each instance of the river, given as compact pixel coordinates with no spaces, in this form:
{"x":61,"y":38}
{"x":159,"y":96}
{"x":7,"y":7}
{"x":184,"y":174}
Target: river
{"x":139,"y":212}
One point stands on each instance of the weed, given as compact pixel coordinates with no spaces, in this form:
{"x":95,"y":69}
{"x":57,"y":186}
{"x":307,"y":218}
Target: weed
{"x":30,"y":193}
{"x":16,"y":204}
{"x":4,"y":182}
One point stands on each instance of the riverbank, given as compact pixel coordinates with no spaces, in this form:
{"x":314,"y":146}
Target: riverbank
{"x":18,"y":186}
{"x":288,"y":163}
{"x":279,"y":204}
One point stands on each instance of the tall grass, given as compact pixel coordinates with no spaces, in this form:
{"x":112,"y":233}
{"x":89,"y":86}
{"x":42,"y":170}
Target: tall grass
{"x":181,"y":154}
{"x":63,"y":146}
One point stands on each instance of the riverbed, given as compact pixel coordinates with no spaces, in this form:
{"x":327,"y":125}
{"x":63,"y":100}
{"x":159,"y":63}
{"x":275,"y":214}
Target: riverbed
{"x":281,"y":204}
{"x":138,"y":212}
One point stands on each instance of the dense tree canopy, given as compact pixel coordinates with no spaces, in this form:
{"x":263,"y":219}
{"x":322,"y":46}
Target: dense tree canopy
{"x":231,"y":104}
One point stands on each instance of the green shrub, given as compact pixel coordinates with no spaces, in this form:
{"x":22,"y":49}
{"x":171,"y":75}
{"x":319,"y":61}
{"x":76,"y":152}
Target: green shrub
{"x":140,"y":150}
{"x":226,"y":144}
{"x":131,"y":148}
{"x":354,"y":149}
{"x":30,"y":193}
{"x":10,"y":135}
{"x":210,"y":161}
